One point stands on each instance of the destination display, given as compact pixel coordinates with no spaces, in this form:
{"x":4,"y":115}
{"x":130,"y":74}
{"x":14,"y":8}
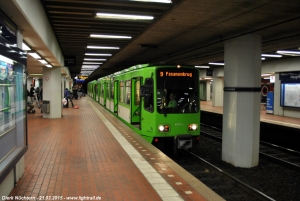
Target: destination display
{"x":175,"y":73}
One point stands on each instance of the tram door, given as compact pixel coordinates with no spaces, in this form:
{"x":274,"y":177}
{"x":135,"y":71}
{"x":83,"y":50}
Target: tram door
{"x":136,"y":102}
{"x":116,"y":96}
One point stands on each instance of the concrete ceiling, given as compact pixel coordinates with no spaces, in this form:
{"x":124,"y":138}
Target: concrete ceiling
{"x":189,"y":32}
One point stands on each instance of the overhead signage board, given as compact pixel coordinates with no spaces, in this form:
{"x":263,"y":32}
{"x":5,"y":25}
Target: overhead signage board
{"x":70,"y":61}
{"x":291,"y":76}
{"x":8,"y":29}
{"x":209,"y":72}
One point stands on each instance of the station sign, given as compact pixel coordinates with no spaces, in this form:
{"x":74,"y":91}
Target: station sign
{"x":70,"y":61}
{"x":8,"y":29}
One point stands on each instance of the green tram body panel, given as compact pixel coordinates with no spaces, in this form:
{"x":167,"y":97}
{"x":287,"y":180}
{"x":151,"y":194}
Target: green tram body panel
{"x":120,"y":93}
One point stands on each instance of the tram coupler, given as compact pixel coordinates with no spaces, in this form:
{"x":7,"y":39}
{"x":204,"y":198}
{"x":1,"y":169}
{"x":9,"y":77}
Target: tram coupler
{"x":184,"y":141}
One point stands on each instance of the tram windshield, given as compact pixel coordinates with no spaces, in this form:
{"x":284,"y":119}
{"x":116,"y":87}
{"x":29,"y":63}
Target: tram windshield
{"x":177,"y":90}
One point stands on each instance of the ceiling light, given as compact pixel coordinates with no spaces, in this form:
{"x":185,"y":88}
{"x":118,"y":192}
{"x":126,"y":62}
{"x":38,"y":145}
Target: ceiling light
{"x":122,"y":16}
{"x":6,"y":60}
{"x":271,"y":55}
{"x":25,"y":47}
{"x":49,"y":66}
{"x":218,"y":64}
{"x":94,"y":54}
{"x":43,"y":61}
{"x":155,"y":1}
{"x":91,"y":63}
{"x":110,"y":36}
{"x":103,"y":47}
{"x":265,"y":75}
{"x":34,"y":55}
{"x":201,"y":66}
{"x":263,"y":58}
{"x":90,"y":66}
{"x":288,"y":52}
{"x":91,"y":59}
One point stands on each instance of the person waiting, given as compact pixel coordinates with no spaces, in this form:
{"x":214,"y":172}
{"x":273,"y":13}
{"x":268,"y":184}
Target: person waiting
{"x":68,"y":97}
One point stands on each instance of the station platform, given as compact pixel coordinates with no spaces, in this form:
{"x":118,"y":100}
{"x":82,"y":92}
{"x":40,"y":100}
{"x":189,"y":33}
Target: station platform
{"x":264,"y":117}
{"x":91,"y":153}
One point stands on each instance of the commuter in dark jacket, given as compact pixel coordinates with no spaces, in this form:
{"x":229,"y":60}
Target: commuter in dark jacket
{"x":68,"y":96}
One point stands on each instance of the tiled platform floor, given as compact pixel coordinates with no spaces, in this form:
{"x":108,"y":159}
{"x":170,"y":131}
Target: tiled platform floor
{"x":78,"y":155}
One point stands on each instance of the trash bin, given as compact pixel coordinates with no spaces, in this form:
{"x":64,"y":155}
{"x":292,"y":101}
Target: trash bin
{"x":46,"y":106}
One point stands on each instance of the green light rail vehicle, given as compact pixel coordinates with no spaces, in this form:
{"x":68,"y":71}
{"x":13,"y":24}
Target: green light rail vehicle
{"x":159,"y":102}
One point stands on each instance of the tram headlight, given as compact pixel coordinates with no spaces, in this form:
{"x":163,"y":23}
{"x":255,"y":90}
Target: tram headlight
{"x":193,"y":127}
{"x":163,"y":128}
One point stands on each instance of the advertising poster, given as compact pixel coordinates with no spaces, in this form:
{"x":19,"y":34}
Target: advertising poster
{"x":270,"y":103}
{"x":3,"y":70}
{"x":290,"y":95}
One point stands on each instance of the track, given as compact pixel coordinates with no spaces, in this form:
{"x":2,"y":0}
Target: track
{"x":282,"y":155}
{"x":227,"y":186}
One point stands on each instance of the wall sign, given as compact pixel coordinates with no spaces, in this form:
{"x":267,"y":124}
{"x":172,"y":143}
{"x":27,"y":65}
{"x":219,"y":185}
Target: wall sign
{"x":70,"y":61}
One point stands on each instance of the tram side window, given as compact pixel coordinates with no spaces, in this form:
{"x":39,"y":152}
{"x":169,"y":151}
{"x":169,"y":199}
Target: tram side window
{"x":96,"y":89}
{"x":121,"y":92}
{"x":112,"y":90}
{"x":148,"y":99}
{"x":102,"y":90}
{"x":127,"y":91}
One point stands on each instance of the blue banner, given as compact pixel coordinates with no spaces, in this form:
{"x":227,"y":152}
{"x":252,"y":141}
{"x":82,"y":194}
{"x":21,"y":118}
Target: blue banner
{"x":270,"y":102}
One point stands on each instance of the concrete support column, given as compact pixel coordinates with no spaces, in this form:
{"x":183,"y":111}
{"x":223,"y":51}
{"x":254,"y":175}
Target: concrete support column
{"x":217,"y":97}
{"x":241,"y":110}
{"x":208,"y":90}
{"x":278,"y":110}
{"x":52,"y":91}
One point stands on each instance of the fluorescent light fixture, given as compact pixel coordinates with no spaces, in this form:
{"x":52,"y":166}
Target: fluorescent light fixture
{"x":92,"y":63}
{"x":6,"y":60}
{"x":110,"y":36}
{"x":49,"y":66}
{"x":34,"y":55}
{"x":43,"y":61}
{"x":90,"y":66}
{"x":103,"y":47}
{"x":95,"y":54}
{"x":263,"y":58}
{"x":218,"y":64}
{"x":271,"y":55}
{"x":272,"y":78}
{"x":265,"y":75}
{"x":123,"y":17}
{"x":201,"y":66}
{"x":91,"y":59}
{"x":155,"y":1}
{"x":25,"y":47}
{"x":288,"y":52}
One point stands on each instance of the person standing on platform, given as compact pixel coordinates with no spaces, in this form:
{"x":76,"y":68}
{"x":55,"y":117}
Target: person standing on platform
{"x":68,"y":96}
{"x":31,"y":93}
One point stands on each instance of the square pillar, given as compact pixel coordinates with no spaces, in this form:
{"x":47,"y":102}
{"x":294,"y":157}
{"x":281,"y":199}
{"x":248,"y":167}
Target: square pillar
{"x":241,"y":110}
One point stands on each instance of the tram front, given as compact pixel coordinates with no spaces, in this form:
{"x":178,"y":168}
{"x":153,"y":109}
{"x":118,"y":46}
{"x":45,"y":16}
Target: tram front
{"x":176,"y":91}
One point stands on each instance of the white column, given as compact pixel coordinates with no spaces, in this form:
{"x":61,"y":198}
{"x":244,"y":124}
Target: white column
{"x":218,"y":85}
{"x":278,"y":110}
{"x":208,"y":90}
{"x":241,"y":111}
{"x":52,"y":91}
